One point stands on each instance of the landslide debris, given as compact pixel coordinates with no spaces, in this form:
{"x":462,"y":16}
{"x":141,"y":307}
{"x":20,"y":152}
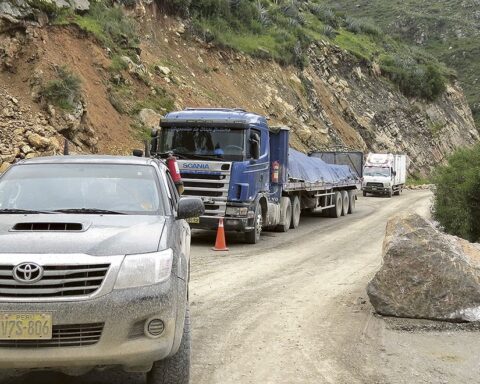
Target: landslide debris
{"x":426,"y":274}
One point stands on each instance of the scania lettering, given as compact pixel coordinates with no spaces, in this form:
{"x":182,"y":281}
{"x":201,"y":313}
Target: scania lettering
{"x":245,"y":172}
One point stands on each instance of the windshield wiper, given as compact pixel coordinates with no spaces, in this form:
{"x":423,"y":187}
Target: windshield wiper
{"x":88,"y":211}
{"x":27,"y":211}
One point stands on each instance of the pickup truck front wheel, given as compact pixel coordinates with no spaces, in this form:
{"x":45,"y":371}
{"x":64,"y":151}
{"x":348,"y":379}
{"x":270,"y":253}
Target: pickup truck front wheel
{"x":175,"y":369}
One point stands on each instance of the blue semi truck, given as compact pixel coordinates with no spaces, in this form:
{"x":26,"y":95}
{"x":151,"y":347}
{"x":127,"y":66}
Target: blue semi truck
{"x":245,"y":172}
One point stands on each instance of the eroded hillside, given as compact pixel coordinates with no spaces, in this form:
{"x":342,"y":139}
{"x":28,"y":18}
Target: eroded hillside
{"x":337,"y":100}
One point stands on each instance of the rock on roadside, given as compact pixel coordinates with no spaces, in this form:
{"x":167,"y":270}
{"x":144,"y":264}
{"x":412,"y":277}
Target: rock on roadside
{"x":426,"y":274}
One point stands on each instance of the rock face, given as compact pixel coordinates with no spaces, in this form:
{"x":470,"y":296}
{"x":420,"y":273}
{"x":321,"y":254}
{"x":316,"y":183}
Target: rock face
{"x":426,"y":274}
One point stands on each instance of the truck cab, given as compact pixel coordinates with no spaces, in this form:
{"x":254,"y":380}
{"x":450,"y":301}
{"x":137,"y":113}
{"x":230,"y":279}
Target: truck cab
{"x":224,"y":157}
{"x":384,"y":174}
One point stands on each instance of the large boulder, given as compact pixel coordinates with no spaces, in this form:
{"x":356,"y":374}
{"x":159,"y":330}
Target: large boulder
{"x":426,"y":274}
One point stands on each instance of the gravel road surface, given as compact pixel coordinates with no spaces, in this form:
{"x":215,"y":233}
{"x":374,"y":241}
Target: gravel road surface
{"x":293,"y":309}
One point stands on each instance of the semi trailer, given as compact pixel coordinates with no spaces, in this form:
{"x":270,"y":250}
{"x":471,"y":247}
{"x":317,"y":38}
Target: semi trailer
{"x":245,"y":172}
{"x":384,"y":173}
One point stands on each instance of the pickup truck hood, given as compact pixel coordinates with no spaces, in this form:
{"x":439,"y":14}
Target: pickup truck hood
{"x":101,"y":235}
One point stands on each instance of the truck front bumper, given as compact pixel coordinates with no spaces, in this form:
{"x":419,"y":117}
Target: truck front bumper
{"x":380,"y":190}
{"x":234,"y":224}
{"x":123,"y":341}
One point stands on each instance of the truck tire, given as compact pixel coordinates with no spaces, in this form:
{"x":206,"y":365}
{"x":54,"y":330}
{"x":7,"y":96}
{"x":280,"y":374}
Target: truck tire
{"x":296,"y":212}
{"x":351,"y":201}
{"x":285,"y":214}
{"x":398,"y":191}
{"x":336,"y":211}
{"x":253,"y":237}
{"x":390,"y":193}
{"x":364,"y":194}
{"x":345,"y":203}
{"x":174,"y":369}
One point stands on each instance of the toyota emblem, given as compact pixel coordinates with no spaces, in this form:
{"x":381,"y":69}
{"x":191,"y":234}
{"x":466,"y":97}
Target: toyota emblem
{"x":27,"y":273}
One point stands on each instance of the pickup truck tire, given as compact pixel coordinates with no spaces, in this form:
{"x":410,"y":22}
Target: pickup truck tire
{"x":336,"y":211}
{"x":351,"y":201}
{"x":253,"y":237}
{"x":175,"y":369}
{"x":345,"y":202}
{"x":296,"y":212}
{"x":285,"y":214}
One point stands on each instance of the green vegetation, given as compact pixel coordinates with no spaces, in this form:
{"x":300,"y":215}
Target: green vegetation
{"x":160,"y":102}
{"x":447,"y":29}
{"x":284,"y":29}
{"x":457,"y":200}
{"x":108,"y":24}
{"x":64,"y":91}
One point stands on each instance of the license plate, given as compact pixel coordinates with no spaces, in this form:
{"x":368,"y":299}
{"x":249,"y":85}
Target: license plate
{"x":25,"y":326}
{"x":193,"y":220}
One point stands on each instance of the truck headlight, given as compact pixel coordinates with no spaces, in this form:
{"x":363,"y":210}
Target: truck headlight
{"x":145,"y":269}
{"x":387,"y":184}
{"x":236,"y":211}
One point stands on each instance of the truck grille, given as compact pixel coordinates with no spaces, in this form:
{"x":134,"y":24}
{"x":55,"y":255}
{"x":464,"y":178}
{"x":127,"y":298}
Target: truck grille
{"x":77,"y":335}
{"x":378,"y":185}
{"x":211,"y":186}
{"x":57,"y":281}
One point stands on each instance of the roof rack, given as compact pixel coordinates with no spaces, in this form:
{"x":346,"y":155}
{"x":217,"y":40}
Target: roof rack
{"x":217,"y":109}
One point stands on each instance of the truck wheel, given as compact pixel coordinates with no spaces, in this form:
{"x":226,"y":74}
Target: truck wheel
{"x":296,"y":212}
{"x":336,"y":211}
{"x":345,"y":203}
{"x":351,"y":201}
{"x":364,"y":194}
{"x":285,"y":214}
{"x":398,"y":191}
{"x":253,"y":237}
{"x":174,"y":369}
{"x":390,"y":193}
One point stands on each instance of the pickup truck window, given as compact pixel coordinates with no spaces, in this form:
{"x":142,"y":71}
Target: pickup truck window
{"x":204,"y":143}
{"x":82,"y":188}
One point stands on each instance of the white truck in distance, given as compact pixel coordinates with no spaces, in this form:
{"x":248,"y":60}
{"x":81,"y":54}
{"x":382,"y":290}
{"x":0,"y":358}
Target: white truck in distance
{"x":384,"y":174}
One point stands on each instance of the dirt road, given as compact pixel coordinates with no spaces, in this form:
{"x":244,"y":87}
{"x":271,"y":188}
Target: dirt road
{"x":293,"y":309}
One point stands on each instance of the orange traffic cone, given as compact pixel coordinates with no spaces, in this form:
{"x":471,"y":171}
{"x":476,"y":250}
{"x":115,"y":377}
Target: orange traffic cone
{"x":220,"y":243}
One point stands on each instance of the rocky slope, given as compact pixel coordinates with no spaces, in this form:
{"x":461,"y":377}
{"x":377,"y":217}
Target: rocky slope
{"x":336,"y":101}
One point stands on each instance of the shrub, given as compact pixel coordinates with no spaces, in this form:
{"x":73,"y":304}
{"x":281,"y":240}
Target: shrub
{"x":457,"y":200}
{"x":64,"y":91}
{"x":414,"y":79}
{"x":329,"y":32}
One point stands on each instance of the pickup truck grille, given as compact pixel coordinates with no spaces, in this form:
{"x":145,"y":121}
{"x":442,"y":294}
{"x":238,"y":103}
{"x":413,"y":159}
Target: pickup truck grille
{"x":57,"y":281}
{"x":76,"y":335}
{"x":212,"y":186}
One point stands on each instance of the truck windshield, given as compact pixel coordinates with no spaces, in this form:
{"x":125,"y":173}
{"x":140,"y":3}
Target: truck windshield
{"x":209,"y":143}
{"x":376,"y":171}
{"x":81,"y":188}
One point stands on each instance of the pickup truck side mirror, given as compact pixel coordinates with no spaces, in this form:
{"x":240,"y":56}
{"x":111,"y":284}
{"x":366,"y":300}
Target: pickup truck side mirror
{"x":190,"y":207}
{"x":255,"y":145}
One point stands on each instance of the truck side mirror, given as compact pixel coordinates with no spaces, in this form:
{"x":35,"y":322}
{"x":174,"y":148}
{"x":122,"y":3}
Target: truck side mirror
{"x":154,"y":142}
{"x":255,"y":145}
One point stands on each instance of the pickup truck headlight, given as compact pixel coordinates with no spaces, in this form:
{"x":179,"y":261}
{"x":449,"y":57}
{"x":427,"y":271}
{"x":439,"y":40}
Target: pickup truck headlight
{"x":145,"y":269}
{"x":236,"y":211}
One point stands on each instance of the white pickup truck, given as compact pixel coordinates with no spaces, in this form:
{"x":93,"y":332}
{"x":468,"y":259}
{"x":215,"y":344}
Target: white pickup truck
{"x":384,"y":174}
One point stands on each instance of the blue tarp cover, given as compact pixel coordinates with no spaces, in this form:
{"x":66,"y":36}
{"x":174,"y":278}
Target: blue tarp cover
{"x":314,"y":170}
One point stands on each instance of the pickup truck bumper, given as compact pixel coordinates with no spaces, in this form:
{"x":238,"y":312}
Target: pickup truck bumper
{"x":121,"y":316}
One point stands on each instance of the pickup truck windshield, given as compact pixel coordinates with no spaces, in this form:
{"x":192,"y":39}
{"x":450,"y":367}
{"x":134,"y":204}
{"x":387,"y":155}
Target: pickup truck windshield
{"x":204,"y":143}
{"x":376,"y":171}
{"x":81,"y":188}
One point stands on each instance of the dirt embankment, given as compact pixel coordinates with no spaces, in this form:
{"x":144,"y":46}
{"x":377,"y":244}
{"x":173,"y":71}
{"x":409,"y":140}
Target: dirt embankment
{"x":337,"y":100}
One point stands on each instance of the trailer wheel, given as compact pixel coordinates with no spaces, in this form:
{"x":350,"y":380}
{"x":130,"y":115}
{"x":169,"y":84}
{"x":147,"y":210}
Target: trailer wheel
{"x":253,"y":237}
{"x":285,"y":214}
{"x":351,"y":201}
{"x":345,"y":203}
{"x":296,"y":212}
{"x":336,"y":211}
